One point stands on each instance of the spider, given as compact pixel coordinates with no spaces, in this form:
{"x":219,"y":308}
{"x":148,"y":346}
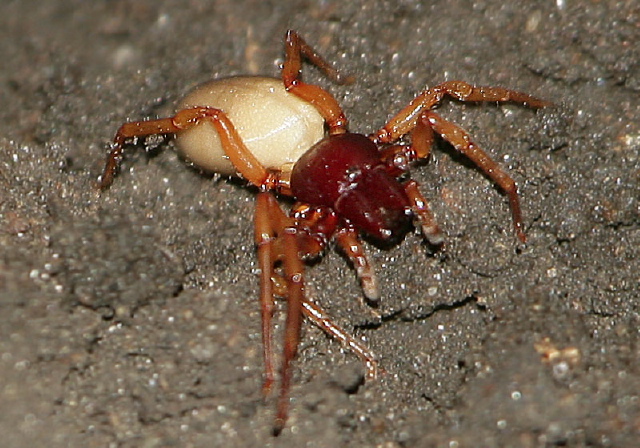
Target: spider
{"x":290,"y":139}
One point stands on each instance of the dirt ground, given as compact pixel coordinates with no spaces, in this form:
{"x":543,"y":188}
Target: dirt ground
{"x":130,"y":319}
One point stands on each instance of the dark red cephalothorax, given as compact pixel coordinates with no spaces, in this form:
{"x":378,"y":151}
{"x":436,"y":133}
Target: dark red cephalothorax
{"x":345,"y":172}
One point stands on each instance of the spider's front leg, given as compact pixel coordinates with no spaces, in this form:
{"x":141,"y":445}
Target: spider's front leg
{"x":398,"y":159}
{"x":320,"y":224}
{"x":460,"y":140}
{"x":286,"y":240}
{"x":420,"y":121}
{"x":405,"y":120}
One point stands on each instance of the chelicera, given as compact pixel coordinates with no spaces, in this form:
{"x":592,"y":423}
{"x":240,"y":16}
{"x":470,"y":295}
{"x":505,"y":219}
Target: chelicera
{"x":344,"y":184}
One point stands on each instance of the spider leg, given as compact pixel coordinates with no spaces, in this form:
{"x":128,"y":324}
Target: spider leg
{"x":294,"y":271}
{"x":347,"y":239}
{"x":271,"y":226}
{"x":244,"y":161}
{"x":285,"y":241}
{"x":405,"y":120}
{"x":461,"y":140}
{"x":264,"y":235}
{"x":398,"y":159}
{"x":293,"y":39}
{"x":322,"y":320}
{"x":319,"y":317}
{"x":295,"y":49}
{"x":418,"y":119}
{"x":422,"y":212}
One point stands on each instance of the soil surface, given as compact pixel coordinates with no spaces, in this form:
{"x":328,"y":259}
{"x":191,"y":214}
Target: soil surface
{"x":131,"y":319}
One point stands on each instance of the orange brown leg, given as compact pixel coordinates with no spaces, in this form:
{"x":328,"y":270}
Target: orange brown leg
{"x":398,"y":159}
{"x":460,"y":140}
{"x":418,"y":119}
{"x":322,"y":221}
{"x":295,"y":49}
{"x":271,"y":225}
{"x":284,"y":240}
{"x":405,"y":120}
{"x":294,"y":272}
{"x":319,"y":317}
{"x":347,"y":240}
{"x":264,"y":235}
{"x":422,"y":212}
{"x":243,"y":160}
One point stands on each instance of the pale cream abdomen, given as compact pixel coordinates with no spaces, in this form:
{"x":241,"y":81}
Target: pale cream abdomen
{"x":276,"y":126}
